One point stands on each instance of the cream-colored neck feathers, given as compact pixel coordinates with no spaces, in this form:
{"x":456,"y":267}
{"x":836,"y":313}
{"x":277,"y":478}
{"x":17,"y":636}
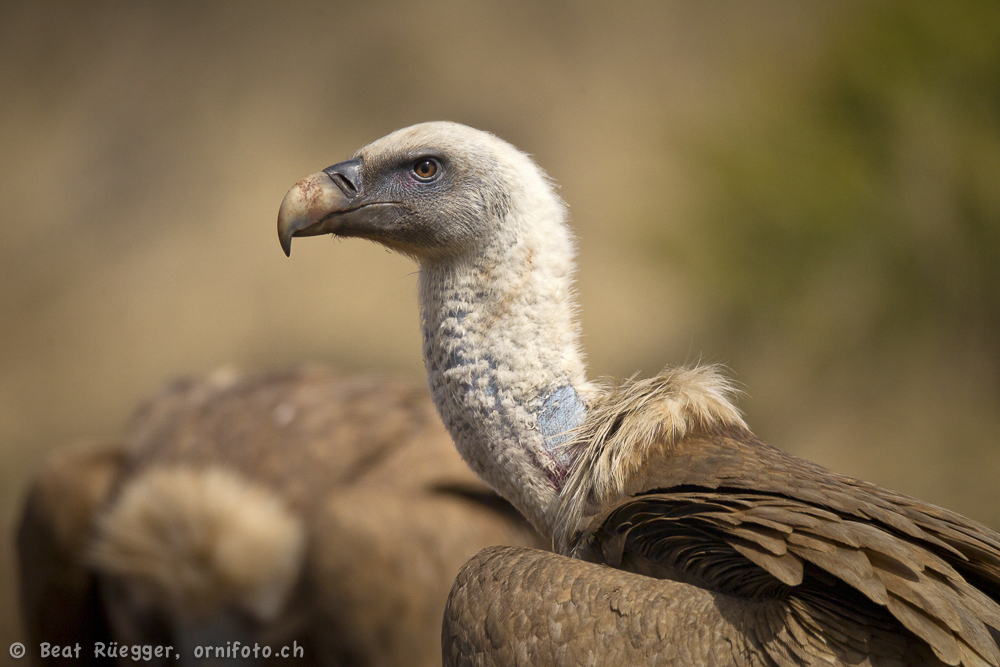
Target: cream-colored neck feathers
{"x":500,"y":339}
{"x":502,"y":352}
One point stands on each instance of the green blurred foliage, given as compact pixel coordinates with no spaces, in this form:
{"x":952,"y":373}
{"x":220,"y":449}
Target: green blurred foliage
{"x":857,"y":210}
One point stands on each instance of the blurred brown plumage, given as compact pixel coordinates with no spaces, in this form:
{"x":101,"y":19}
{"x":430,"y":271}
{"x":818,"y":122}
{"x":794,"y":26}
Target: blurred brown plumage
{"x":296,"y":507}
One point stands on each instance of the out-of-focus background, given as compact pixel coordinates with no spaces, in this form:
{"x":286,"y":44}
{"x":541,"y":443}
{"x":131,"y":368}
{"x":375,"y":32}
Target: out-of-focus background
{"x":808,"y":193}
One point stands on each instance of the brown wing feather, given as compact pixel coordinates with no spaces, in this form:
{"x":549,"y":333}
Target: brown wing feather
{"x":751,"y":535}
{"x":669,"y":482}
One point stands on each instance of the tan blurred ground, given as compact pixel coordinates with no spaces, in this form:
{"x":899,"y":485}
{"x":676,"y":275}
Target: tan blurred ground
{"x":145,"y":147}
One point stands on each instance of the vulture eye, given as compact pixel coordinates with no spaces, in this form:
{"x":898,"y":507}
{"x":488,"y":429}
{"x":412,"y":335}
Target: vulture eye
{"x":425,"y":169}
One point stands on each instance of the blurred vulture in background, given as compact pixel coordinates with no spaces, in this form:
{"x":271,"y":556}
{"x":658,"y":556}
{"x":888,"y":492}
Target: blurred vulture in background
{"x":300,"y":509}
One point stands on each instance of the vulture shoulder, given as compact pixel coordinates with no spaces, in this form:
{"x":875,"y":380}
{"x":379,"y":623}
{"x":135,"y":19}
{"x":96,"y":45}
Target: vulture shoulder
{"x":826,"y":567}
{"x":517,"y":606}
{"x":696,"y":543}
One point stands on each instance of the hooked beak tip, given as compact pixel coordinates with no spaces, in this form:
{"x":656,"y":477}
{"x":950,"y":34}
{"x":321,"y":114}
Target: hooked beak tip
{"x":307,"y":207}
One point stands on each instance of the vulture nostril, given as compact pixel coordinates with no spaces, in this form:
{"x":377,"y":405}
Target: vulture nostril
{"x":347,"y":176}
{"x":344,"y":184}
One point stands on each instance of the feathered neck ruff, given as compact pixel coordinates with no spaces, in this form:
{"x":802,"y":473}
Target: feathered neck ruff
{"x":628,"y":422}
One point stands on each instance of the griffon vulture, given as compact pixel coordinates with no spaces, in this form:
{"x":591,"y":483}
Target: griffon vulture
{"x":300,"y":510}
{"x":682,"y":538}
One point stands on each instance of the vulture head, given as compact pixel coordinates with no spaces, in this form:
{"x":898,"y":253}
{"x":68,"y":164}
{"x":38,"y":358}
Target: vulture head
{"x":432,"y":191}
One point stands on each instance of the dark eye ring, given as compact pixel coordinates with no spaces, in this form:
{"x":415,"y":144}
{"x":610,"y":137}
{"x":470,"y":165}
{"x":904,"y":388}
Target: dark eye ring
{"x":426,"y":169}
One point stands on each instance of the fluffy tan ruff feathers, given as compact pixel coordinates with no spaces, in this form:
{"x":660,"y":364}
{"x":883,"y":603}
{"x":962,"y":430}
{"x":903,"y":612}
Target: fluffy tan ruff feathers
{"x":628,"y":421}
{"x":203,"y":540}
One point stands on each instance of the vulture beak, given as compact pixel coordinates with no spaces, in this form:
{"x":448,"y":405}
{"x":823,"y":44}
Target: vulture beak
{"x":315,"y":204}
